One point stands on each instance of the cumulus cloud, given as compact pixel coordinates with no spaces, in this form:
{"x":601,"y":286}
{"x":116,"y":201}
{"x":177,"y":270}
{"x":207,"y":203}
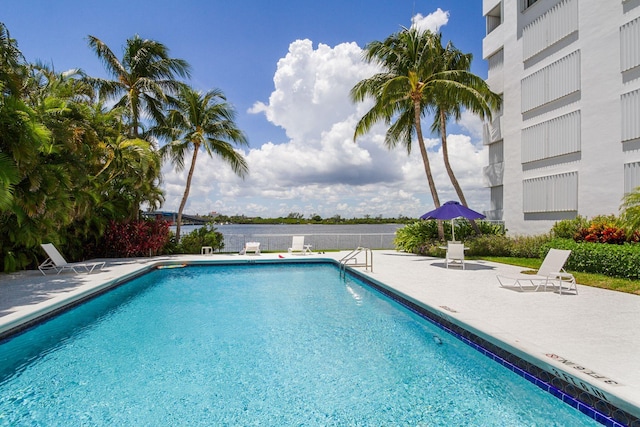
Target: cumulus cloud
{"x":431,"y":22}
{"x":319,"y":169}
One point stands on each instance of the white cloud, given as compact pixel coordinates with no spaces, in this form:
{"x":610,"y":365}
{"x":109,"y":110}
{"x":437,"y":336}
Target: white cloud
{"x":320,"y":170}
{"x":431,"y":22}
{"x":472,"y":124}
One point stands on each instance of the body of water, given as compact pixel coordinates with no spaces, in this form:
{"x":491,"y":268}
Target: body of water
{"x":278,"y":237}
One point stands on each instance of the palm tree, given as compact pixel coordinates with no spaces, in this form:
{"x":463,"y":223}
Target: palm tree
{"x":13,"y":68}
{"x":630,"y":208}
{"x":202,"y":121}
{"x":419,"y":75}
{"x":142,"y":80}
{"x":412,"y":70}
{"x":131,"y":173}
{"x":469,"y":92}
{"x":12,"y":74}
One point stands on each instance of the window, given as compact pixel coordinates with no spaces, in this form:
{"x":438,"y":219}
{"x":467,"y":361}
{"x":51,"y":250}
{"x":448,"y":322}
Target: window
{"x":528,"y":3}
{"x":630,"y":108}
{"x":494,"y":18}
{"x":630,"y":45}
{"x":631,"y":176}
{"x":548,"y":29}
{"x":555,"y":193}
{"x":552,"y":138}
{"x":553,"y":82}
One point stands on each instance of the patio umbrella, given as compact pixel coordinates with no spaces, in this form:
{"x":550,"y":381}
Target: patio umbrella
{"x":452,"y":210}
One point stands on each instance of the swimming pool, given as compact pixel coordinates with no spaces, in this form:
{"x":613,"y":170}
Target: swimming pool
{"x":257,"y":345}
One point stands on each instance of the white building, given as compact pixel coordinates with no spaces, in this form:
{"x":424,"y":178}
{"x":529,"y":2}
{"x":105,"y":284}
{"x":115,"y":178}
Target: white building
{"x":567,"y":141}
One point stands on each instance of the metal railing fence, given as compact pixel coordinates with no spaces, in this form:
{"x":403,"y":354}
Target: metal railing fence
{"x":318,"y":242}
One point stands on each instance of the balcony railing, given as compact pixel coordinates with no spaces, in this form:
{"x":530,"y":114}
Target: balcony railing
{"x":491,"y":131}
{"x":493,"y":174}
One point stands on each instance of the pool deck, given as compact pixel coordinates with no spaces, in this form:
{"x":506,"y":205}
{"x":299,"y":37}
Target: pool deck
{"x":590,"y":339}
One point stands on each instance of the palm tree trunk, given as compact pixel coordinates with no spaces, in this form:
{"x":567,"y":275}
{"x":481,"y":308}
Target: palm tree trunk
{"x":187,"y":188}
{"x":134,"y":115}
{"x":427,"y":166}
{"x":447,"y":166}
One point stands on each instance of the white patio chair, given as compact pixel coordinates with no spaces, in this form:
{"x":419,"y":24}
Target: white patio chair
{"x":455,"y":254}
{"x":298,"y":246}
{"x":57,"y":262}
{"x":551,"y":270}
{"x":251,"y":247}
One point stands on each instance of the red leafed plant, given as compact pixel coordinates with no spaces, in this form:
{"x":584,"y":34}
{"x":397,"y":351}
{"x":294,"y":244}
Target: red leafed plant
{"x":602,"y":231}
{"x":136,"y":238}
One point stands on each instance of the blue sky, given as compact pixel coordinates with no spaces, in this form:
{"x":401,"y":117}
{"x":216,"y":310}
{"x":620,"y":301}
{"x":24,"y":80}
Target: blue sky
{"x":287,"y":67}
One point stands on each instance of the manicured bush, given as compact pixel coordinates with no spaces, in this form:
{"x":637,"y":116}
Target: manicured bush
{"x":489,"y":245}
{"x":464,"y":230}
{"x":528,"y":246}
{"x":206,"y":235}
{"x":135,"y":238}
{"x":611,"y":260}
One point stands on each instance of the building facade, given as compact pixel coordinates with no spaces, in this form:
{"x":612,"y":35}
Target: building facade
{"x":567,"y":140}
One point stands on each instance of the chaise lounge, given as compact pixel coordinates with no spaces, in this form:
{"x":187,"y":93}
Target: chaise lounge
{"x":251,"y":247}
{"x":57,"y":262}
{"x":550,"y":272}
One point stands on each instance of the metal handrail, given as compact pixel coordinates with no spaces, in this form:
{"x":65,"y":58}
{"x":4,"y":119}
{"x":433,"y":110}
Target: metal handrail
{"x":353,"y":256}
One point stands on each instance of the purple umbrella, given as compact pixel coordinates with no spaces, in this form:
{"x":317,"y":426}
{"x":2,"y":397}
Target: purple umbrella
{"x":451,"y":210}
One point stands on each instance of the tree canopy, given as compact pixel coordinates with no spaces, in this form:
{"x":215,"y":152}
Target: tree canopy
{"x":78,"y":153}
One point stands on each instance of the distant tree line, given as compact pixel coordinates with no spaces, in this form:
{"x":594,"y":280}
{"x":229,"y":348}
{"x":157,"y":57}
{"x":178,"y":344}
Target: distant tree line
{"x":298,"y":218}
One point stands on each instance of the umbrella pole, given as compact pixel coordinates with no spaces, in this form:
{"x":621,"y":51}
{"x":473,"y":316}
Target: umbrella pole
{"x":453,"y":232}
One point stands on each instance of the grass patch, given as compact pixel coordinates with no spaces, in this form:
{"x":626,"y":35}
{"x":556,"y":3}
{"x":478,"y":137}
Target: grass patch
{"x":588,"y":279}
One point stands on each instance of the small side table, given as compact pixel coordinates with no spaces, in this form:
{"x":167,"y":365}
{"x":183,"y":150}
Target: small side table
{"x":206,"y":250}
{"x":563,"y":277}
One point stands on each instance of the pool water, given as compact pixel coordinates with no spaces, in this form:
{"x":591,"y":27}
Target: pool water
{"x":268,"y":345}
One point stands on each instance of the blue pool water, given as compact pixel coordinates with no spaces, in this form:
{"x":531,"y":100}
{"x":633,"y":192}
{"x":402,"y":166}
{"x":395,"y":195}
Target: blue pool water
{"x":258,"y":345}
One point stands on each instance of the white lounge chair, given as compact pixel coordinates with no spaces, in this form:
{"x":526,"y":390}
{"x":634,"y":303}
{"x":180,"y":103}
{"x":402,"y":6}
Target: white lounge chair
{"x":550,"y":272}
{"x":455,"y":254}
{"x":57,"y":262}
{"x":251,"y":247}
{"x":298,"y":246}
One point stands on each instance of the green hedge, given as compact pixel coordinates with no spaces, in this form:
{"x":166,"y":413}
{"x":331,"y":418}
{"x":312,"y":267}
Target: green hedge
{"x":610,"y":260}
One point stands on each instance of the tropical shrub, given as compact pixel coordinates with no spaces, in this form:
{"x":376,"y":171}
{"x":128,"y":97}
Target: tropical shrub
{"x":206,"y":235}
{"x":611,"y":260}
{"x":421,"y":237}
{"x":603,"y":229}
{"x":135,"y":238}
{"x":630,"y":212}
{"x":569,"y":228}
{"x":411,"y":237}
